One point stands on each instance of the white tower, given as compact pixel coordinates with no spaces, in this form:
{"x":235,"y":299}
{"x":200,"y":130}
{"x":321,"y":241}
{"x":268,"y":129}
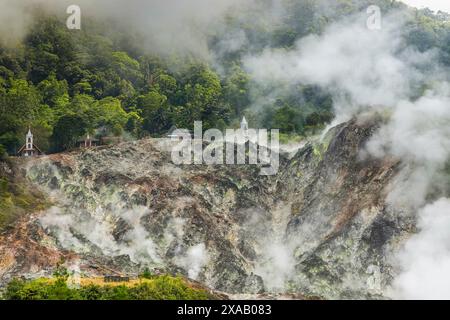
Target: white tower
{"x":244,"y":128}
{"x":88,"y":141}
{"x":29,"y":149}
{"x":244,"y":125}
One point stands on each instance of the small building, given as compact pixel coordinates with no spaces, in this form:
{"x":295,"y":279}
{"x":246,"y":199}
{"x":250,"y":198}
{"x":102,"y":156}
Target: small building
{"x":173,"y":133}
{"x":29,"y":149}
{"x":88,"y":142}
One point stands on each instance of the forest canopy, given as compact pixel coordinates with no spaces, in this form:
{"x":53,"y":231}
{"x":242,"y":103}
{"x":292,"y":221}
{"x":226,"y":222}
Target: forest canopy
{"x":99,"y":80}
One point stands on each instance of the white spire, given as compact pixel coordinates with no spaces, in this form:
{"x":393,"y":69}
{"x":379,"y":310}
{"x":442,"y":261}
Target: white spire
{"x":29,"y":140}
{"x":244,"y":128}
{"x":244,"y":124}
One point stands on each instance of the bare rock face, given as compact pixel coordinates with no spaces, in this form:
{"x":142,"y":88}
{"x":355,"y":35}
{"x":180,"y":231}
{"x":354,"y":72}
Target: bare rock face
{"x":320,"y":227}
{"x":340,"y":227}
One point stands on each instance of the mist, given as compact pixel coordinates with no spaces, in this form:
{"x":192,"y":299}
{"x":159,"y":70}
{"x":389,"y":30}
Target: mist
{"x":373,"y":71}
{"x":169,"y":26}
{"x":426,"y":257}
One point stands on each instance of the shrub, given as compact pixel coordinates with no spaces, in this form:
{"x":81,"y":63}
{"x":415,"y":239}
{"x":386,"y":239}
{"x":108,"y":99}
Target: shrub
{"x":147,"y":274}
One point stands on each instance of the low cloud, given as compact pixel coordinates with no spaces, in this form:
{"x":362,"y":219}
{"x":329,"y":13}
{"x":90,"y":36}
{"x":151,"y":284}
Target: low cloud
{"x":168,"y":26}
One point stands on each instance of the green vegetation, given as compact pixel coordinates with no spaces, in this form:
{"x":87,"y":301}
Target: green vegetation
{"x":147,"y":274}
{"x":290,"y":138}
{"x":98,"y":80}
{"x":67,"y":83}
{"x":158,"y":288}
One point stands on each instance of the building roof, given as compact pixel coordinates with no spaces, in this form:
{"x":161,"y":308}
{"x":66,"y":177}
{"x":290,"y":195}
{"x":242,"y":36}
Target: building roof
{"x":24,"y":147}
{"x":171,"y":132}
{"x":172,"y":129}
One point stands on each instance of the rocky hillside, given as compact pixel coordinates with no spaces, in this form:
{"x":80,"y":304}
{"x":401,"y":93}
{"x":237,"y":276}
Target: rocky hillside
{"x":320,"y":227}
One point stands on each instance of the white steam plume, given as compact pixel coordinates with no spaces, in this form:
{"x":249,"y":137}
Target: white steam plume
{"x":194,"y":260}
{"x":359,"y":66}
{"x":375,"y":71}
{"x":97,"y":229}
{"x":425,"y":259}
